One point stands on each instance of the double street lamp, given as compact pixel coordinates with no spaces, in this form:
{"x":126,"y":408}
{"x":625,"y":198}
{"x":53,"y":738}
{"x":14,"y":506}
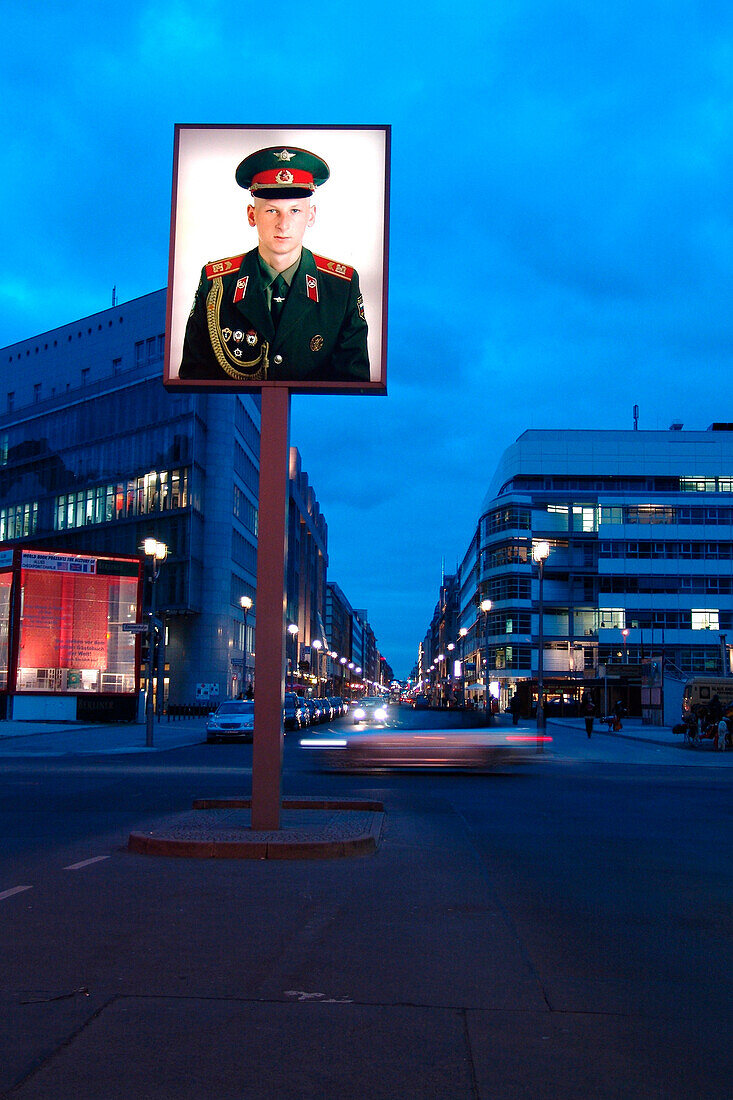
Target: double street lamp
{"x":155,"y":553}
{"x":293,"y":632}
{"x":245,"y":602}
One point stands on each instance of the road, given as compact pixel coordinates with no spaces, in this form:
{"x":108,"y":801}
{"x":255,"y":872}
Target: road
{"x":558,"y":929}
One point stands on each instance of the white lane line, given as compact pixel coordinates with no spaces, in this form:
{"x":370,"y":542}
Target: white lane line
{"x":15,"y":890}
{"x":85,"y":863}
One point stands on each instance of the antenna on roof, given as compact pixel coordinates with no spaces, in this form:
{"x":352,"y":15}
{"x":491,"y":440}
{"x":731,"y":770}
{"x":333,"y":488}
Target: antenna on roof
{"x":636,"y":418}
{"x":114,"y":295}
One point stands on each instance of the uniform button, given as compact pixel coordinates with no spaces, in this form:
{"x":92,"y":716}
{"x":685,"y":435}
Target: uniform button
{"x":277,"y":359}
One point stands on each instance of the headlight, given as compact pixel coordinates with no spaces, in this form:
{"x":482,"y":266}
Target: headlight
{"x":359,"y":713}
{"x":380,"y":714}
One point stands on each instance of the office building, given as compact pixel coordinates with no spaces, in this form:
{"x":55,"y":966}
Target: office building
{"x":639,"y":526}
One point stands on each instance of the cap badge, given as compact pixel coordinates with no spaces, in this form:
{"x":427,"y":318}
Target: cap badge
{"x":316,"y":343}
{"x":283,"y":176}
{"x":285,"y":155}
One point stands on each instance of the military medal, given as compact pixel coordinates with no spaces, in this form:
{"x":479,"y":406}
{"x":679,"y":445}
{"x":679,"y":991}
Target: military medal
{"x":251,"y":338}
{"x":238,"y":337}
{"x":226,"y":334}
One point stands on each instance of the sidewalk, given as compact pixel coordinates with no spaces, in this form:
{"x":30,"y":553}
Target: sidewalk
{"x":62,"y":738}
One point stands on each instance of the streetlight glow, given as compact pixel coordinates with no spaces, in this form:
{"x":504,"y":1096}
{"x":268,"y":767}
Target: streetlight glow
{"x":486,"y":605}
{"x":541,"y":551}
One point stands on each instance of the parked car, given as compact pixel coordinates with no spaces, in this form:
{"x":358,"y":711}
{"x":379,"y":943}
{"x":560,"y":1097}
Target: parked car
{"x":231,"y":721}
{"x":315,"y":711}
{"x":295,"y":715}
{"x":327,"y":709}
{"x":339,"y":705}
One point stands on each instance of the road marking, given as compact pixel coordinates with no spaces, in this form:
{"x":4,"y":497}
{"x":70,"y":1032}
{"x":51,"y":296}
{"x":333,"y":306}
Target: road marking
{"x":15,"y":890}
{"x":85,"y":863}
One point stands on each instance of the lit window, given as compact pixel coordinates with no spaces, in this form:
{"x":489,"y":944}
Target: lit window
{"x":706,"y":619}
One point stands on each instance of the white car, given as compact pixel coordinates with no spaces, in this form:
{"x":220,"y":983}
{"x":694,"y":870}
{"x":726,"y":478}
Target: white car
{"x":232,"y":721}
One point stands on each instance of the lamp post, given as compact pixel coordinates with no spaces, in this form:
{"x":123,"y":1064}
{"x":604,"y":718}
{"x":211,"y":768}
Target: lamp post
{"x":317,"y":644}
{"x":486,"y":608}
{"x":450,"y":647}
{"x":293,"y":632}
{"x":342,"y":662}
{"x":155,"y":553}
{"x":245,"y":602}
{"x":462,"y":635}
{"x":540,"y":554}
{"x":625,"y":634}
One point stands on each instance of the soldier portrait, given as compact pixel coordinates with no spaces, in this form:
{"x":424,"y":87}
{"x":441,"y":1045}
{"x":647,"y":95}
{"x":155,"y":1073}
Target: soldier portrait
{"x":277,"y":310}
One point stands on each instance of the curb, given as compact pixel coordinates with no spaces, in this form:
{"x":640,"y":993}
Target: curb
{"x":335,"y":840}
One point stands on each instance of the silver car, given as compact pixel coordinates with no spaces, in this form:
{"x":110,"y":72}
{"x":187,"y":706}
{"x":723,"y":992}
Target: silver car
{"x":232,"y":721}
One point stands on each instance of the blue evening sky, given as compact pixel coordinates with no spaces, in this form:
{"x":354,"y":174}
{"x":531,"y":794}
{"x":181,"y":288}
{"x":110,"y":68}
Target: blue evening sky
{"x":562,"y":177}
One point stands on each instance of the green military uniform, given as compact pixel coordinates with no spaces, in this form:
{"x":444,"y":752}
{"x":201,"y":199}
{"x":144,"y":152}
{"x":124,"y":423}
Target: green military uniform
{"x":321,"y":333}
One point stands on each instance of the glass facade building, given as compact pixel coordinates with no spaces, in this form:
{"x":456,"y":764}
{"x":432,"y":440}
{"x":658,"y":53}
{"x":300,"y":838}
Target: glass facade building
{"x":95,"y":456}
{"x":640,"y":530}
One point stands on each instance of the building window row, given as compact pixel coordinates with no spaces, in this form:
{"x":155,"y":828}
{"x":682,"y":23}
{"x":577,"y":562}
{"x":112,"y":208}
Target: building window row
{"x":153,"y":492}
{"x":506,"y":587}
{"x":244,"y":553}
{"x":150,"y":350}
{"x":721,"y":551}
{"x":627,"y":584}
{"x":245,"y":511}
{"x":246,"y":426}
{"x":505,"y":519}
{"x":246,"y":469}
{"x":19,"y":521}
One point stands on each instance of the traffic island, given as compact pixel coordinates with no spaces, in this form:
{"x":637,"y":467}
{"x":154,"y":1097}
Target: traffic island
{"x":220,"y":828}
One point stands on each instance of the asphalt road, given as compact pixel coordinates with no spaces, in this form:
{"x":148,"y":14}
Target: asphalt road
{"x":558,"y":929}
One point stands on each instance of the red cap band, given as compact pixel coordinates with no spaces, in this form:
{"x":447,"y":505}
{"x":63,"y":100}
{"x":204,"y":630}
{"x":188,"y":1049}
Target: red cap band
{"x":283,"y":177}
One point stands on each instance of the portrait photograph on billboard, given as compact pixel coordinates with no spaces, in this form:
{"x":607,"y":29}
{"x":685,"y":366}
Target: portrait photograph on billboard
{"x":278,"y":259}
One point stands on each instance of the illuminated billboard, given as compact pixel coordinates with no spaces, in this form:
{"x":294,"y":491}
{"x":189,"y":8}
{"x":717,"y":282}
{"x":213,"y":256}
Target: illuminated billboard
{"x":278,"y":259}
{"x":69,"y":634}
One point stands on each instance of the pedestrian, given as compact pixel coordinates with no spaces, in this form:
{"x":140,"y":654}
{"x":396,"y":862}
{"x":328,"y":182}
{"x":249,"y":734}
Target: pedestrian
{"x":515,"y":707}
{"x":722,"y":733}
{"x":588,"y":711}
{"x":619,"y":711}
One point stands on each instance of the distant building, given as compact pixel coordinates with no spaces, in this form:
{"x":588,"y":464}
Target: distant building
{"x":95,"y":456}
{"x":640,"y":532}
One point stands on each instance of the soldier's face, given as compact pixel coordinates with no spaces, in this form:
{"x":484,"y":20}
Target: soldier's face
{"x":281,"y":224}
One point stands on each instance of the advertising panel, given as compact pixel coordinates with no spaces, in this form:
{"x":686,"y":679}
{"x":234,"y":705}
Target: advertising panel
{"x":73,"y":611}
{"x":278,"y":259}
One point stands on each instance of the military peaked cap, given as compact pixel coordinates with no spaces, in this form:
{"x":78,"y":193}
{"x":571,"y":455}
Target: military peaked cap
{"x":282,"y":173}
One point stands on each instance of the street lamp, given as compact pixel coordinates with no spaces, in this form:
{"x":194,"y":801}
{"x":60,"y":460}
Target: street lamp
{"x":486,"y":608}
{"x":317,"y":644}
{"x":625,"y":634}
{"x":156,"y":553}
{"x":540,"y":554}
{"x":245,"y":602}
{"x":293,"y":632}
{"x":462,"y":635}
